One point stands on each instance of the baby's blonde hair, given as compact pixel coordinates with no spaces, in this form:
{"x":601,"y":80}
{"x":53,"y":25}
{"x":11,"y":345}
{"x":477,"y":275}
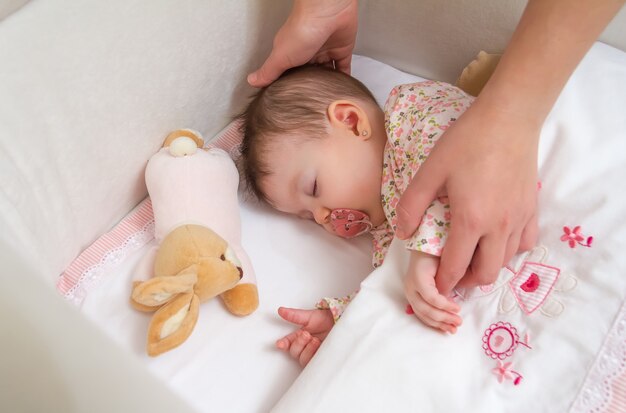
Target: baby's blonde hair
{"x":294,"y":106}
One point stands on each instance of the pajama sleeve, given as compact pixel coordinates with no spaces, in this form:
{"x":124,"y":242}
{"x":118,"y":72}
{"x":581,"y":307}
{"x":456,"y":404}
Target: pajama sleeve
{"x":336,"y":305}
{"x":432,"y":233}
{"x":416,"y":116}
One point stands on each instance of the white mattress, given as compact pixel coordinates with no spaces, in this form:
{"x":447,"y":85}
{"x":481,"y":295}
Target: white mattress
{"x":229,"y":363}
{"x":377,"y":358}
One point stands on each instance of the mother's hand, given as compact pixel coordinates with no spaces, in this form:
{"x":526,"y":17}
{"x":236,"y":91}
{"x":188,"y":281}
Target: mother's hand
{"x":486,"y":164}
{"x":316,"y":31}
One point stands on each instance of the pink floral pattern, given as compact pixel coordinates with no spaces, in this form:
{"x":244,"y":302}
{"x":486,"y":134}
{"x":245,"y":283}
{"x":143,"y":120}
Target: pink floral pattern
{"x":501,"y":339}
{"x":416,"y":115}
{"x":504,"y":371}
{"x":336,"y":305}
{"x":573,"y":237}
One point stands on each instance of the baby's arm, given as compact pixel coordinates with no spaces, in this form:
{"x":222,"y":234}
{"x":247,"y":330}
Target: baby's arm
{"x":432,"y":308}
{"x":303,"y":343}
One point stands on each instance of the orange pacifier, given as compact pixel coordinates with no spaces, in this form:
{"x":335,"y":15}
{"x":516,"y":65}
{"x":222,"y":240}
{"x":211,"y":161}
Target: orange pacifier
{"x":349,"y":223}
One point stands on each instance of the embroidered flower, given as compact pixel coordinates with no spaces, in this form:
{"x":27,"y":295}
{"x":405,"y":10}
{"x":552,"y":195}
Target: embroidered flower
{"x":501,"y":339}
{"x":505,"y":371}
{"x":573,"y":237}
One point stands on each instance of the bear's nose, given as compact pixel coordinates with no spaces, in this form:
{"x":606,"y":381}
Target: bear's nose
{"x":240,"y":273}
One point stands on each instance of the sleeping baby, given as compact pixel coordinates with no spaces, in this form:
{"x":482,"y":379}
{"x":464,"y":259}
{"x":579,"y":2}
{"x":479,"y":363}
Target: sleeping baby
{"x":317,"y":145}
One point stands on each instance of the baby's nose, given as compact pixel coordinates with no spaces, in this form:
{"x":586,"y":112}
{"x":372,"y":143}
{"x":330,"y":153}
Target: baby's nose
{"x":322,"y":215}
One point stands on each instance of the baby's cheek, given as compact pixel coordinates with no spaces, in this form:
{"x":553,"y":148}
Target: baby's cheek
{"x":329,"y":228}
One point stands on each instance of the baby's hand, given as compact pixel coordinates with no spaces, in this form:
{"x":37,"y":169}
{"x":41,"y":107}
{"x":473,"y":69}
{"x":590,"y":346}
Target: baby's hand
{"x":314,"y":325}
{"x":427,"y":303}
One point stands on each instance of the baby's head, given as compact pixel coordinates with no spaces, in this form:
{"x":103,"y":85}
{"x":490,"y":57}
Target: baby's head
{"x":313,"y":143}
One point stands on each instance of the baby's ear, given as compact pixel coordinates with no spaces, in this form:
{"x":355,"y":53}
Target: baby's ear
{"x":348,"y":114}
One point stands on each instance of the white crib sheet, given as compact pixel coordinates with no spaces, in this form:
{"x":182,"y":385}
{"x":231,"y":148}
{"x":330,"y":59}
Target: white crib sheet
{"x":377,"y":358}
{"x":229,"y":364}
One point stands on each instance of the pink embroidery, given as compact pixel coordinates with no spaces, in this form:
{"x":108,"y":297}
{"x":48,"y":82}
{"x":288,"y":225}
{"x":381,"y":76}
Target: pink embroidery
{"x":532,"y":284}
{"x":414,"y":116}
{"x":499,"y":342}
{"x":573,"y":237}
{"x":409,"y":310}
{"x":505,"y":371}
{"x":501,"y":339}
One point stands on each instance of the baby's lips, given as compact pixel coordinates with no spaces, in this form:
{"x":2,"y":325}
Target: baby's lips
{"x":349,"y":223}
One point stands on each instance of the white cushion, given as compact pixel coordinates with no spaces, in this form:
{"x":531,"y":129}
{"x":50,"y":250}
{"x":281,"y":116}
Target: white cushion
{"x":88,"y":91}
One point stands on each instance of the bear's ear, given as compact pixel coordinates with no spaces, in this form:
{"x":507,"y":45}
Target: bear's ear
{"x":188,"y":133}
{"x":160,"y":290}
{"x":141,"y":307}
{"x":477,"y":73}
{"x":172,"y":324}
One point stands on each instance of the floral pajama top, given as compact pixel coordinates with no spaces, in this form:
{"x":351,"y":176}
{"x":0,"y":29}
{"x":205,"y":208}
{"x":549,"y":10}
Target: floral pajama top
{"x":416,"y":115}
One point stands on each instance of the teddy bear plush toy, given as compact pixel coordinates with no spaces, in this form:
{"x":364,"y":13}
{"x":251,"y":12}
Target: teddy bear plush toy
{"x":198,"y":230}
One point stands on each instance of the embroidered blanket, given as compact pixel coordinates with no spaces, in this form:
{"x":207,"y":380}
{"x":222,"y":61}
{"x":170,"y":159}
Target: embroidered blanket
{"x":550,"y":334}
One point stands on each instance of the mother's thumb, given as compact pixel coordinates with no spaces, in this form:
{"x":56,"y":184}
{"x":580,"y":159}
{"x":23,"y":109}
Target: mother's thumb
{"x":413,"y":204}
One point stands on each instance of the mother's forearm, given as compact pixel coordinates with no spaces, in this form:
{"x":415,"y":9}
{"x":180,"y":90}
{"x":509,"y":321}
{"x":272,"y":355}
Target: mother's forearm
{"x":549,"y":42}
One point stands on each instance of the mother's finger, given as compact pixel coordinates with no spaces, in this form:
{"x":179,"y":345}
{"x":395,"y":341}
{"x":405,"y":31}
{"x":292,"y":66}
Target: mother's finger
{"x":456,"y":257}
{"x":415,"y":200}
{"x":487,"y":260}
{"x":529,"y":235}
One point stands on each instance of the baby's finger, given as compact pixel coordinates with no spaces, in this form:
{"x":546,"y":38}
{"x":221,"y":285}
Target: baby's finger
{"x":309,"y":351}
{"x":295,"y":316}
{"x":424,"y":311}
{"x":285,"y":342}
{"x":429,"y":293}
{"x":302,"y":339}
{"x":446,"y":328}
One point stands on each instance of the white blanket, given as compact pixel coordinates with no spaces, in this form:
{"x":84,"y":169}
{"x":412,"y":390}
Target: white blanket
{"x":560,"y":322}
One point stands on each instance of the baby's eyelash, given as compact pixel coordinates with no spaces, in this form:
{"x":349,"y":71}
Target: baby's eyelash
{"x":315,"y":188}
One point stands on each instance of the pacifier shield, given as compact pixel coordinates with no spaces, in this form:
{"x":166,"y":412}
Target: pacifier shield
{"x":349,"y":223}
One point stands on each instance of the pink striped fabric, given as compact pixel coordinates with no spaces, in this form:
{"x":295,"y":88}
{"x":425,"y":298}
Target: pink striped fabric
{"x":133,"y":232}
{"x":618,"y":402}
{"x":530,"y":296}
{"x":229,"y":139}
